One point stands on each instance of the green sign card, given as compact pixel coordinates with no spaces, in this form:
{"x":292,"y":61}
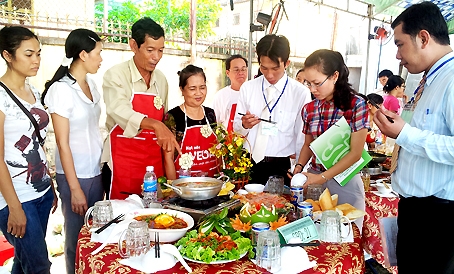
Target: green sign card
{"x":303,"y":228}
{"x":333,"y":145}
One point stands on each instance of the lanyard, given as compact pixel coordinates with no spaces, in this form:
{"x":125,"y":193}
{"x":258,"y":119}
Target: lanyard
{"x":266,"y":102}
{"x":435,"y":70}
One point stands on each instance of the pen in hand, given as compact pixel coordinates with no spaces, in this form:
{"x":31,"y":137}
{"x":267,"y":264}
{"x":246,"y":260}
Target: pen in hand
{"x":264,"y":120}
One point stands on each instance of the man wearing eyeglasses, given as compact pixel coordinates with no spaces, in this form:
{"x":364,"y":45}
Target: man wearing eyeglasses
{"x":269,"y":109}
{"x":226,"y":99}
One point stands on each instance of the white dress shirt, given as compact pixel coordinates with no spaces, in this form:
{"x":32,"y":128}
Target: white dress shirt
{"x":67,"y":99}
{"x":223,"y":101}
{"x":287,"y":114}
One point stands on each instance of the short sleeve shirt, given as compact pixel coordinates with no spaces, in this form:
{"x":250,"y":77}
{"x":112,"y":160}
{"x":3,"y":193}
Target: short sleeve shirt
{"x":318,"y":116}
{"x":24,"y":156}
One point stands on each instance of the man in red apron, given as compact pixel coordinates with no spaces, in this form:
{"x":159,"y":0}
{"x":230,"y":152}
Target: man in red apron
{"x":226,"y":99}
{"x":195,"y":143}
{"x":135,"y":94}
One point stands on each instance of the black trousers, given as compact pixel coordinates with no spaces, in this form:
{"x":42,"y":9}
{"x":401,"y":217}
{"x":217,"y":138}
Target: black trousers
{"x":268,"y":167}
{"x":106,"y":179}
{"x":425,"y":239}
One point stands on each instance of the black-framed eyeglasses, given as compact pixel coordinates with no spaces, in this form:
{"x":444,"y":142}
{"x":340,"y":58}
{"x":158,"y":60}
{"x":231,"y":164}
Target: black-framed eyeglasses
{"x":309,"y":85}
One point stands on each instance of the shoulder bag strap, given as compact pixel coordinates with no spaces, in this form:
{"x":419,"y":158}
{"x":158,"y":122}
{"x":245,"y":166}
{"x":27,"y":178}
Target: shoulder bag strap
{"x":29,"y":115}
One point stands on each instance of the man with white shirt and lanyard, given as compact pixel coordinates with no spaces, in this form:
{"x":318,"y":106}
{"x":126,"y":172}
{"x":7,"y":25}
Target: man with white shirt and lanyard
{"x":136,"y":96}
{"x":424,"y":176}
{"x":269,"y":111}
{"x":225,"y":100}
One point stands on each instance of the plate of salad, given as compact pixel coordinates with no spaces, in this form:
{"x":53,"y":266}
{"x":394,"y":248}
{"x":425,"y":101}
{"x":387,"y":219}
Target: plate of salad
{"x":213,"y":248}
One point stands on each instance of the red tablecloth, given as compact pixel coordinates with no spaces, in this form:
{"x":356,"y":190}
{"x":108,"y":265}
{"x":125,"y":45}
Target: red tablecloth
{"x":376,"y":208}
{"x":331,"y":258}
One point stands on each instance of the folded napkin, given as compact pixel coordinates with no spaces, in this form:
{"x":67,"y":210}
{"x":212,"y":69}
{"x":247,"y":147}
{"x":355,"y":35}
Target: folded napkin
{"x":109,"y":235}
{"x":387,"y":195}
{"x":290,"y":255}
{"x":148,"y":263}
{"x":133,"y":202}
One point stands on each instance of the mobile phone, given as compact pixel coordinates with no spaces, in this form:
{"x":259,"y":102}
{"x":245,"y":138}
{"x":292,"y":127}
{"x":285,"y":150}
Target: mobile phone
{"x":23,"y":142}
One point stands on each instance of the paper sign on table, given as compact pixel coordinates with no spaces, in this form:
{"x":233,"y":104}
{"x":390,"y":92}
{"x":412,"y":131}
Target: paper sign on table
{"x":303,"y":228}
{"x":333,"y":145}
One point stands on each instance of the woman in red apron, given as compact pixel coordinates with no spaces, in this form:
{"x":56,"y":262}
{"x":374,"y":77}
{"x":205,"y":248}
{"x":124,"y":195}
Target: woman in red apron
{"x":190,"y":123}
{"x":131,"y":156}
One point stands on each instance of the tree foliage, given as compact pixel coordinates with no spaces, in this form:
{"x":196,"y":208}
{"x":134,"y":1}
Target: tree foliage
{"x":172,"y":15}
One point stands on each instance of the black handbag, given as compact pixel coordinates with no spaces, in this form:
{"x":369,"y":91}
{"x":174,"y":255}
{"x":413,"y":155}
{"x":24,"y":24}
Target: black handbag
{"x":29,"y":115}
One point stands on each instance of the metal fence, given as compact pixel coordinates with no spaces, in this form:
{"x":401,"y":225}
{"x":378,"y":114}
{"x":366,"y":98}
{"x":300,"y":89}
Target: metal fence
{"x":56,"y":18}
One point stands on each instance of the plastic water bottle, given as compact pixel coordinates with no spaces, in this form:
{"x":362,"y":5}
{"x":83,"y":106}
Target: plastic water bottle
{"x":184,"y":173}
{"x":150,"y":187}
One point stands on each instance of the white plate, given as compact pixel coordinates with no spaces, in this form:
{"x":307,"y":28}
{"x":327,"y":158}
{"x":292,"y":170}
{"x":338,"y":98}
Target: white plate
{"x":215,"y":262}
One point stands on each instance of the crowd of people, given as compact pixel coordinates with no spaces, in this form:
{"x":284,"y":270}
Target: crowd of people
{"x":280,"y":117}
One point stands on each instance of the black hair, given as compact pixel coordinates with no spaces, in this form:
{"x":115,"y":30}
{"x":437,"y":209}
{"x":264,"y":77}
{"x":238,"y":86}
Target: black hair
{"x":385,"y":73}
{"x":259,"y":73}
{"x":298,"y":72}
{"x":233,"y":57}
{"x":11,"y":37}
{"x":274,"y":47}
{"x":328,"y":62}
{"x":187,"y":72}
{"x":374,"y":97}
{"x":78,"y":40}
{"x":143,"y":27}
{"x":423,"y":16}
{"x":393,"y":82}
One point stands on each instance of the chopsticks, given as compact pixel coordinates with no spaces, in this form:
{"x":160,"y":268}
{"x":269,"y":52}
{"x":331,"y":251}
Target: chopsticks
{"x":102,"y":228}
{"x":376,"y":105}
{"x":157,"y":248}
{"x":303,"y":244}
{"x":264,"y":120}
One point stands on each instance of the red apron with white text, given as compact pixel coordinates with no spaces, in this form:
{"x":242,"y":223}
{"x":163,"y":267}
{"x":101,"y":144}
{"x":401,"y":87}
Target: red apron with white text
{"x":231,"y":119}
{"x":131,"y":156}
{"x":194,"y":143}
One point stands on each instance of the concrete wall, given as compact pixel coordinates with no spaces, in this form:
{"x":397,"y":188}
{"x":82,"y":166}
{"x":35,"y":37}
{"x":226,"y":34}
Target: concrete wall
{"x":172,"y":61}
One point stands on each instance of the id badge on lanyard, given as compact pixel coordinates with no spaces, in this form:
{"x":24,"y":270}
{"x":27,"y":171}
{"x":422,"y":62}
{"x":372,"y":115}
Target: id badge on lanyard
{"x":269,"y":129}
{"x":407,"y":112}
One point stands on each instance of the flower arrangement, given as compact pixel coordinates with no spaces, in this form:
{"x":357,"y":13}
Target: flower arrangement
{"x":236,"y":162}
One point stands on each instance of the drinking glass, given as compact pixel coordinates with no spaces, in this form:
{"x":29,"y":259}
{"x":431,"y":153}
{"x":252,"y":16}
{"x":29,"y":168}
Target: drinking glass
{"x":314,"y":191}
{"x":276,"y":184}
{"x":331,"y":227}
{"x":365,"y":176}
{"x":102,"y":213}
{"x":269,"y":251}
{"x":137,"y":238}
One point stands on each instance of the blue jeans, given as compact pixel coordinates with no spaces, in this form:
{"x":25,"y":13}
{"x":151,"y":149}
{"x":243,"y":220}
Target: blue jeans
{"x":30,"y":252}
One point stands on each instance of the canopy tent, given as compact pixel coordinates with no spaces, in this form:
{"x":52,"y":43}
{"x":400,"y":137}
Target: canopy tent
{"x":394,"y":8}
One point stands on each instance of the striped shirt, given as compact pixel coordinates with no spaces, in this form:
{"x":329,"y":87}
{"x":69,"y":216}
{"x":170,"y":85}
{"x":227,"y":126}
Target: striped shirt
{"x":318,"y":116}
{"x":426,"y":157}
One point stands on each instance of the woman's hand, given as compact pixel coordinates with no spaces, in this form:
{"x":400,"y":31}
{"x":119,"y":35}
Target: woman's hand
{"x":17,"y":222}
{"x":313,"y":179}
{"x":78,"y":202}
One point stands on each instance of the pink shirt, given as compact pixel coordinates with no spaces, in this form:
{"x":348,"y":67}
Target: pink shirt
{"x":391,"y":103}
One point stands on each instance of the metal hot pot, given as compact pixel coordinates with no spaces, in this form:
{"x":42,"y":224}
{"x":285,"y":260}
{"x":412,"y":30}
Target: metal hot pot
{"x":198,"y":188}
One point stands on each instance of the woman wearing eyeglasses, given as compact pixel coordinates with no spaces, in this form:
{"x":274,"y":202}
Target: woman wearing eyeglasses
{"x":394,"y":89}
{"x":327,"y":78}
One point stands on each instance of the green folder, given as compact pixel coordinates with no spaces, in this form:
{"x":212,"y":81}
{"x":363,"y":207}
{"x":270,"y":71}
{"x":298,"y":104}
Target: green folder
{"x":334,"y":144}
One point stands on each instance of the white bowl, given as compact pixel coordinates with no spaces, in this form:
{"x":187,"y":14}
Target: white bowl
{"x":165,"y":235}
{"x":257,"y":188}
{"x":383,"y":189}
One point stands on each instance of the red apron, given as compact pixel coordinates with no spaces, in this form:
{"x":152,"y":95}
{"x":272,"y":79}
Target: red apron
{"x":194,"y":143}
{"x":131,"y":156}
{"x":232,"y":117}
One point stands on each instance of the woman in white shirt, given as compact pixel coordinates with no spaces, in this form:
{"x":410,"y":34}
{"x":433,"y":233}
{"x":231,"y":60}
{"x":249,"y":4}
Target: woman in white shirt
{"x":74,"y":104}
